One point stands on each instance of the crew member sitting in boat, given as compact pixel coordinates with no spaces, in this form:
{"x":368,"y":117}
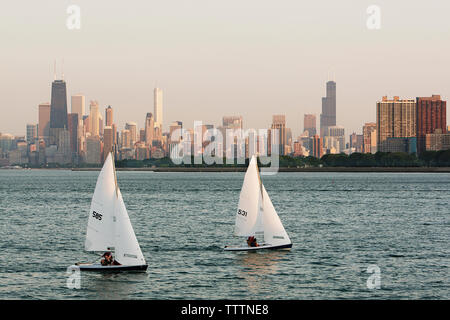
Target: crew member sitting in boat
{"x":108,"y":259}
{"x":251,"y":241}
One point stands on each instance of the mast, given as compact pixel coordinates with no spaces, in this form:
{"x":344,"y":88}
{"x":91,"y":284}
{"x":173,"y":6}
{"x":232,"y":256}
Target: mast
{"x":115,"y":176}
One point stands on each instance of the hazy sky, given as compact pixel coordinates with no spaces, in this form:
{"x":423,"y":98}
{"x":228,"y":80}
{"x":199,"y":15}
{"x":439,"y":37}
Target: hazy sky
{"x":253,"y":58}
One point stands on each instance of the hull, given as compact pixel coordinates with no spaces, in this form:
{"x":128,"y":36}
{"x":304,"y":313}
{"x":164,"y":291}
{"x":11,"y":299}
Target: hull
{"x":261,"y":247}
{"x":99,"y":268}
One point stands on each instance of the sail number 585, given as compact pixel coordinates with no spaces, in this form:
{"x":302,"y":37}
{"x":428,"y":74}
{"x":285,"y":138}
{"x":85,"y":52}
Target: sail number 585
{"x":97,"y":215}
{"x":242,"y":212}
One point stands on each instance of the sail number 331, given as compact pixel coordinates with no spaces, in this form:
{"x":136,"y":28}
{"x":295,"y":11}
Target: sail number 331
{"x":242,"y":212}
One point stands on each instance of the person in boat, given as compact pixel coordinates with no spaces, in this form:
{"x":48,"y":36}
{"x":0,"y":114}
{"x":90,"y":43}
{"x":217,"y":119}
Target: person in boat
{"x":108,"y":260}
{"x":251,"y":241}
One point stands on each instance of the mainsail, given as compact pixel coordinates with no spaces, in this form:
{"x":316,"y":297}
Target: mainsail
{"x":256,"y":215}
{"x":109,"y":226}
{"x":247,"y":213}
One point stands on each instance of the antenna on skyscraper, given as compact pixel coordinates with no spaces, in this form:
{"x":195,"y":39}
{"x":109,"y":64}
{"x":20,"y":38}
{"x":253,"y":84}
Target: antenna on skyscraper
{"x":62,"y":70}
{"x":54,"y":70}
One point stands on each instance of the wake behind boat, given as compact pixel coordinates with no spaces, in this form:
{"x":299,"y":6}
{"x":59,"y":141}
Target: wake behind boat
{"x":109,"y":228}
{"x":256,"y":217}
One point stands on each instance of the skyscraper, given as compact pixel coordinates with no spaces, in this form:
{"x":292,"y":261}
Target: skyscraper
{"x":125,"y":139}
{"x":279,"y":123}
{"x":328,"y":116}
{"x":58,"y":110}
{"x":73,"y":134}
{"x":109,"y":116}
{"x":93,"y":150}
{"x":108,"y":140}
{"x":431,"y":114}
{"x":337,"y":133}
{"x":94,"y":117}
{"x":158,"y":107}
{"x":369,"y":138}
{"x":78,"y":106}
{"x":309,"y":124}
{"x":149,"y":129}
{"x":132,"y":127}
{"x":395,"y":119}
{"x":44,"y":121}
{"x":31,"y":133}
{"x":317,"y":147}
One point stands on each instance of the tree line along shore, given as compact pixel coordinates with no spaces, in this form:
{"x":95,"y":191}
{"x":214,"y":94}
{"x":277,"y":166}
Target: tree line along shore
{"x":429,"y":161}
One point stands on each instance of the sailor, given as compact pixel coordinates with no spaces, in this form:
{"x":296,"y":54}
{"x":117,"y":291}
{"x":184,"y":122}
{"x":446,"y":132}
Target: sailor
{"x":251,"y":241}
{"x":107,"y":259}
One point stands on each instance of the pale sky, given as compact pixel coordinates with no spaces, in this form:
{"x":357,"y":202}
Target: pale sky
{"x":212,"y":58}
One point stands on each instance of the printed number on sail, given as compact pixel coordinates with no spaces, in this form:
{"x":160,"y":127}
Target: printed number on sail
{"x":97,"y":215}
{"x":242,"y":213}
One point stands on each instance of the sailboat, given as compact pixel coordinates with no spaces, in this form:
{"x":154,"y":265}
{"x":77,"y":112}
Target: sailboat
{"x":109,"y":228}
{"x":256,"y":215}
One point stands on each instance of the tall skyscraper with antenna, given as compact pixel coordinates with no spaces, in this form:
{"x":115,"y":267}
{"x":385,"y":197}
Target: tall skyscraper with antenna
{"x":328,"y":116}
{"x":58,"y":110}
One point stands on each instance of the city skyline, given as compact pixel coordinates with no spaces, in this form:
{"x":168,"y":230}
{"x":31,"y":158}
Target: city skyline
{"x":208,"y":60}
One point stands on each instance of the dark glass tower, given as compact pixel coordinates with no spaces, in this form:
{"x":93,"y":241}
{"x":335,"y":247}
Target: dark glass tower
{"x":58,"y":110}
{"x":328,"y":116}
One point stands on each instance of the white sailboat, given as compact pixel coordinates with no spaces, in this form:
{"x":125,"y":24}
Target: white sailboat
{"x":256,"y":216}
{"x":109,"y":228}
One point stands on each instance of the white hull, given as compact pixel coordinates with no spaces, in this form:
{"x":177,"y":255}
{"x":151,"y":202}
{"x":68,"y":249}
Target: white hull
{"x":261,"y":247}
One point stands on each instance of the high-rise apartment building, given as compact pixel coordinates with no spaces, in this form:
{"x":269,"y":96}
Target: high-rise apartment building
{"x":431,"y":113}
{"x":328,"y":116}
{"x":395,"y":119}
{"x":369,"y":138}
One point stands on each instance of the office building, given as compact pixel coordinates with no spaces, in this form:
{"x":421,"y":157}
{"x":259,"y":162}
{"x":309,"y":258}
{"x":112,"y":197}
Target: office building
{"x":328,"y":116}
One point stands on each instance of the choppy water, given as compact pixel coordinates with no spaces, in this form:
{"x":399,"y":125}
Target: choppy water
{"x":340,"y":223}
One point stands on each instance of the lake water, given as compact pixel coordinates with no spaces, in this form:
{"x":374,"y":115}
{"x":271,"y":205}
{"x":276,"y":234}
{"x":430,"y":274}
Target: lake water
{"x":339,"y":223}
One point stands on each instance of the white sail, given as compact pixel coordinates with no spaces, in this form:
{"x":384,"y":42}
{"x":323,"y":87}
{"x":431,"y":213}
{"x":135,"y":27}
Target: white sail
{"x":256,"y":215}
{"x":127,"y":250}
{"x":274,"y":232}
{"x":247,"y":213}
{"x":100,"y":228}
{"x":109,"y":227}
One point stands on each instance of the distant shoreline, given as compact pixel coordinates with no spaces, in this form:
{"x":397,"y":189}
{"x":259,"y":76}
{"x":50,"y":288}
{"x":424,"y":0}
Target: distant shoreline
{"x":283,"y":169}
{"x":310,"y":169}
